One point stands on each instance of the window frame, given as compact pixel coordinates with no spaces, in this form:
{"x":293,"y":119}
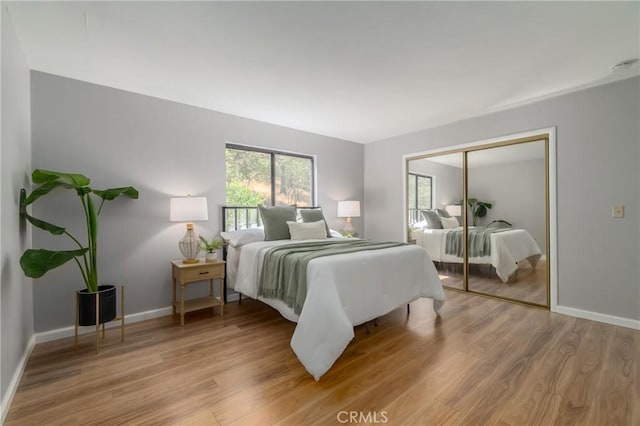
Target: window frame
{"x":272,"y":155}
{"x":412,"y":175}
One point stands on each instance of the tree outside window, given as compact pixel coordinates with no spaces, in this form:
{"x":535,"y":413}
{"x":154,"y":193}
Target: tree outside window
{"x":263,"y":177}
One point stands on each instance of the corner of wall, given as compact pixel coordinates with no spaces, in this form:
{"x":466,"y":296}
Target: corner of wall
{"x":16,"y":301}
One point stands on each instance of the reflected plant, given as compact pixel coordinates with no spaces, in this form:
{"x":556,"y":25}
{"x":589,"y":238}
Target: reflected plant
{"x":478,"y":209}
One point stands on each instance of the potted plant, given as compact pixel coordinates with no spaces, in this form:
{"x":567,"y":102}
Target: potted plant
{"x":36,"y":262}
{"x":210,"y":247}
{"x":478,"y":209}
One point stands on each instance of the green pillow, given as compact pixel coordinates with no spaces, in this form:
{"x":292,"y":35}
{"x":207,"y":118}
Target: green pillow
{"x":443,"y":213}
{"x":314,"y":215}
{"x":275,"y":220}
{"x":432,"y":218}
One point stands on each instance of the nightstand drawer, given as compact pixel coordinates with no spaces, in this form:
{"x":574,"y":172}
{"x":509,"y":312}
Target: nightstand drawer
{"x":204,"y":273}
{"x":184,"y":274}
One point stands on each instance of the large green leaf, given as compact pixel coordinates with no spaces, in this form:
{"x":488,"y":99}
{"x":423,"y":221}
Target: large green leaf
{"x":36,"y":263}
{"x":44,"y":189}
{"x":74,"y":179}
{"x":50,"y":227}
{"x":23,"y":206}
{"x":83,"y":190}
{"x":111,"y":193}
{"x":92,"y":224}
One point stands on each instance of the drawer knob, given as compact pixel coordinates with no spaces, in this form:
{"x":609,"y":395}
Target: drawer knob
{"x":204,"y":273}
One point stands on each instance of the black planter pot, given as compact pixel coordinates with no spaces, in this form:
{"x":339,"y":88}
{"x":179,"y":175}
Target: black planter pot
{"x":87,"y":305}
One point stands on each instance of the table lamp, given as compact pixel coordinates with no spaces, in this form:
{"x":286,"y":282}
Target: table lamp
{"x":188,"y":209}
{"x":454,"y":209}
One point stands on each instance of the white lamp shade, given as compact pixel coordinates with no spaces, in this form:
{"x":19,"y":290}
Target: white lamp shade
{"x":348,"y":208}
{"x":188,"y":209}
{"x":454,"y":209}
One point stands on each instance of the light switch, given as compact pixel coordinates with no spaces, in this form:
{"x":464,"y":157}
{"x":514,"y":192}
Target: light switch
{"x":618,"y":212}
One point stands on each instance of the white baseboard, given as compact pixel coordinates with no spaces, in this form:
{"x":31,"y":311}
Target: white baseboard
{"x":595,"y":316}
{"x":61,"y":333}
{"x":15,"y":380}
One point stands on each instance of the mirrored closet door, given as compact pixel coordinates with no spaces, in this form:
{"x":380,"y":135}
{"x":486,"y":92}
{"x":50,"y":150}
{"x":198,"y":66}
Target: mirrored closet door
{"x":484,"y":218}
{"x":436,"y":212}
{"x":507,"y":236}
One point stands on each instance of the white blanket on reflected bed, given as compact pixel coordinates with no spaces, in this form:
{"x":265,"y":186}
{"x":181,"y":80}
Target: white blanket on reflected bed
{"x":343,"y":291}
{"x":507,"y":248}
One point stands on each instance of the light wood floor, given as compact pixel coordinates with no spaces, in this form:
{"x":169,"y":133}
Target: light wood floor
{"x":483,"y":362}
{"x":527,"y":284}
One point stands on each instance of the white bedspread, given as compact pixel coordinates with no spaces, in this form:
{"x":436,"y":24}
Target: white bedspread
{"x":343,"y":291}
{"x":507,"y":248}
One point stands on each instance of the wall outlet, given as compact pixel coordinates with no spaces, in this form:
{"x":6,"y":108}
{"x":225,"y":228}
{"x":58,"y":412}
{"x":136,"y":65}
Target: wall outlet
{"x":618,"y":212}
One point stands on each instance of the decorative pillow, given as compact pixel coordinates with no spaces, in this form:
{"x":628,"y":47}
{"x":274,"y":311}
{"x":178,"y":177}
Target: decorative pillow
{"x":449,"y":222}
{"x":308,"y":230}
{"x":443,"y":213}
{"x":433,"y":218}
{"x":314,"y":215}
{"x":334,"y":234}
{"x":243,"y":236}
{"x":275,"y":221}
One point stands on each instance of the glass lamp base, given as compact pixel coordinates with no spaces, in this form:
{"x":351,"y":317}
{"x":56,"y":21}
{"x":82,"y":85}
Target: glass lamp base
{"x":189,"y":246}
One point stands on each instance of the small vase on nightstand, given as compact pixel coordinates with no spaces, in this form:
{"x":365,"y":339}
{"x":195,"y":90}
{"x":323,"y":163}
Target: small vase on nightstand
{"x":211,"y":248}
{"x":211,"y":257}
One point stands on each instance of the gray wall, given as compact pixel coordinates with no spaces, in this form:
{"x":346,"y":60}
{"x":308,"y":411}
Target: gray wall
{"x":164,"y":149}
{"x":516,"y":191}
{"x":16,"y":306}
{"x":598,"y":156}
{"x":448,"y":180}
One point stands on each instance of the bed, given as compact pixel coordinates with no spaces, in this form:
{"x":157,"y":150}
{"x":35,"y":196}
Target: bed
{"x":343,"y":290}
{"x":507,"y":247}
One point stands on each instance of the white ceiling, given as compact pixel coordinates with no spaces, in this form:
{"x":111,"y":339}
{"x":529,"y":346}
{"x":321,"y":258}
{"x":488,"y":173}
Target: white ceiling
{"x":360,"y":71}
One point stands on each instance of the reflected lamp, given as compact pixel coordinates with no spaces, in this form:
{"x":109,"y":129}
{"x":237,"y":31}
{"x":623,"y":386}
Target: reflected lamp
{"x":188,"y":209}
{"x":454,"y":209}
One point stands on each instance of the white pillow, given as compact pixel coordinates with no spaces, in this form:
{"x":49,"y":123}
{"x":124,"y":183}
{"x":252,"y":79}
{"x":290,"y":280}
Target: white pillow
{"x":243,"y":236}
{"x":307,"y":230}
{"x":420,"y":225}
{"x":449,"y":222}
{"x":335,"y":234}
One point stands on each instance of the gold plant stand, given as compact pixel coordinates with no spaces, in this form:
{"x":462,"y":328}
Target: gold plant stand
{"x":120,"y":318}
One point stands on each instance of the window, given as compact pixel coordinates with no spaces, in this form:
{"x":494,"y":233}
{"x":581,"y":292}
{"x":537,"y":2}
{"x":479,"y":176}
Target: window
{"x":263,"y":177}
{"x":420,"y":195}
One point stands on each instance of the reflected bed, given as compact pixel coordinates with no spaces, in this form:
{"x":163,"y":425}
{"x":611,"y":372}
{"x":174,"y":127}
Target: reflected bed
{"x":506,"y":249}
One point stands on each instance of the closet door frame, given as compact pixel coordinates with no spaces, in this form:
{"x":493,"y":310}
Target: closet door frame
{"x":546,"y":134}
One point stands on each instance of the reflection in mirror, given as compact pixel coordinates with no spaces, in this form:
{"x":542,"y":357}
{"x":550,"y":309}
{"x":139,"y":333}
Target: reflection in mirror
{"x":434,"y":198}
{"x":507,"y":204}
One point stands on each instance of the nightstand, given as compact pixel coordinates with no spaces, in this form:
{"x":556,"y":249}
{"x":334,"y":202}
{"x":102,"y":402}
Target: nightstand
{"x":185,"y":274}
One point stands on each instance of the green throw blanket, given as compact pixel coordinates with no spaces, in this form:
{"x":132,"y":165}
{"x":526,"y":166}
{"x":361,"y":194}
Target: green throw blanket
{"x":284,"y":270}
{"x":479,"y":241}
